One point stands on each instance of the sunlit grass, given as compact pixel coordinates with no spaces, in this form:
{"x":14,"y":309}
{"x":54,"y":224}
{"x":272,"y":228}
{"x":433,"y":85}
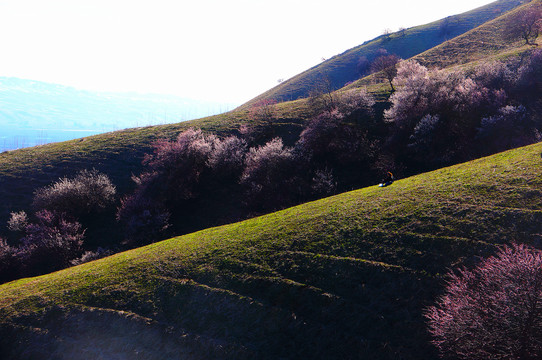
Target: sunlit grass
{"x":396,"y":242}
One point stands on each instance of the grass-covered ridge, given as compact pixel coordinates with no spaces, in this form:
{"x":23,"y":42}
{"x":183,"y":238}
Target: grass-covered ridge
{"x":490,"y":41}
{"x":343,"y":68}
{"x":343,"y":277}
{"x":119,"y":154}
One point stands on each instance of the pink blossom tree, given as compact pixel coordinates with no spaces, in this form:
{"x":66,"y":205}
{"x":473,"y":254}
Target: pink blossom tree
{"x":411,"y":101}
{"x":493,"y":311}
{"x":270,"y":176}
{"x":355,"y":101}
{"x":178,"y":165}
{"x":51,"y":242}
{"x":179,"y":173}
{"x":90,"y":191}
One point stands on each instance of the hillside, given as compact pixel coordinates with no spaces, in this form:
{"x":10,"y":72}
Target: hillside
{"x":119,"y":153}
{"x":343,"y":277}
{"x":36,"y":113}
{"x":482,"y":43}
{"x":344,"y":68}
{"x":488,"y":42}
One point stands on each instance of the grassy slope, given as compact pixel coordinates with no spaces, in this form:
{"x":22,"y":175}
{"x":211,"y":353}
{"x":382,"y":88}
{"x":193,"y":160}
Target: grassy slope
{"x":343,"y":277}
{"x":485,"y":43}
{"x":119,"y":154}
{"x":342,"y":68}
{"x":482,"y":43}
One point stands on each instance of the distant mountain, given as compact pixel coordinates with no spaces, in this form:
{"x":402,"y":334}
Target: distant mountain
{"x":36,"y":113}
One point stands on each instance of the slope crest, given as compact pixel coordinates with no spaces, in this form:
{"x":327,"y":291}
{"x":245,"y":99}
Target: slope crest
{"x":344,"y":68}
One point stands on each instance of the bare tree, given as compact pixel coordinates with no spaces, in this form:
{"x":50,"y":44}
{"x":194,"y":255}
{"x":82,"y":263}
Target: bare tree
{"x":387,"y":64}
{"x":322,"y":97}
{"x":386,"y":33}
{"x":527,"y":24}
{"x":264,"y":112}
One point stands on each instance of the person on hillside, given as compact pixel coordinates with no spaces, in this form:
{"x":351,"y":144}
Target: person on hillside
{"x":388,"y":180}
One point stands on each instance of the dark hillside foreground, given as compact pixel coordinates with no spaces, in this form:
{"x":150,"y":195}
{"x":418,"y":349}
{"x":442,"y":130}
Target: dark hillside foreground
{"x":346,"y":277}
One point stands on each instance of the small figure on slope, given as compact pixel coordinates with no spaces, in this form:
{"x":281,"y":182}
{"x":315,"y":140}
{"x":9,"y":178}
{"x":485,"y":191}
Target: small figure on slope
{"x":388,"y":180}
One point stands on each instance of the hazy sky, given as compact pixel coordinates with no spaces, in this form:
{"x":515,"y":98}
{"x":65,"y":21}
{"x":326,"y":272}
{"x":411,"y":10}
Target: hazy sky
{"x":221,"y":50}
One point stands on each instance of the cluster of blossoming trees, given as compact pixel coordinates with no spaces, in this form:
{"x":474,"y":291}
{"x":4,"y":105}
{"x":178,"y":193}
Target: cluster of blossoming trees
{"x":433,"y":118}
{"x":52,"y":237}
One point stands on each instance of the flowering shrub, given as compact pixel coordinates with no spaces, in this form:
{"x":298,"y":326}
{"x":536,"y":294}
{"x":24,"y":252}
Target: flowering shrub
{"x":456,"y":100}
{"x":509,"y":128}
{"x":493,"y":311}
{"x":411,"y":101}
{"x":355,"y":101}
{"x":178,"y":173}
{"x":178,"y":165}
{"x":89,"y":191}
{"x":317,"y":139}
{"x":270,"y":176}
{"x":51,"y":242}
{"x":328,"y":140}
{"x":18,"y":221}
{"x":91,"y":256}
{"x":529,"y":82}
{"x":227,"y":157}
{"x":144,"y":219}
{"x":9,"y":264}
{"x":495,"y":75}
{"x":323,"y":183}
{"x":423,"y":139}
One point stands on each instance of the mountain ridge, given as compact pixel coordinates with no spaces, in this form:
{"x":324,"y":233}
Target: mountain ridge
{"x":341,"y":69}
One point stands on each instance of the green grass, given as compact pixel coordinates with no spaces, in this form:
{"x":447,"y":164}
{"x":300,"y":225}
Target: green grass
{"x":342,"y":68}
{"x":482,"y":43}
{"x":119,"y":154}
{"x":343,"y":277}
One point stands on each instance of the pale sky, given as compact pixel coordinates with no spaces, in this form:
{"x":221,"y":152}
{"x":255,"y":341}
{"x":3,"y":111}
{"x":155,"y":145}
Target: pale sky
{"x":218,"y":50}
